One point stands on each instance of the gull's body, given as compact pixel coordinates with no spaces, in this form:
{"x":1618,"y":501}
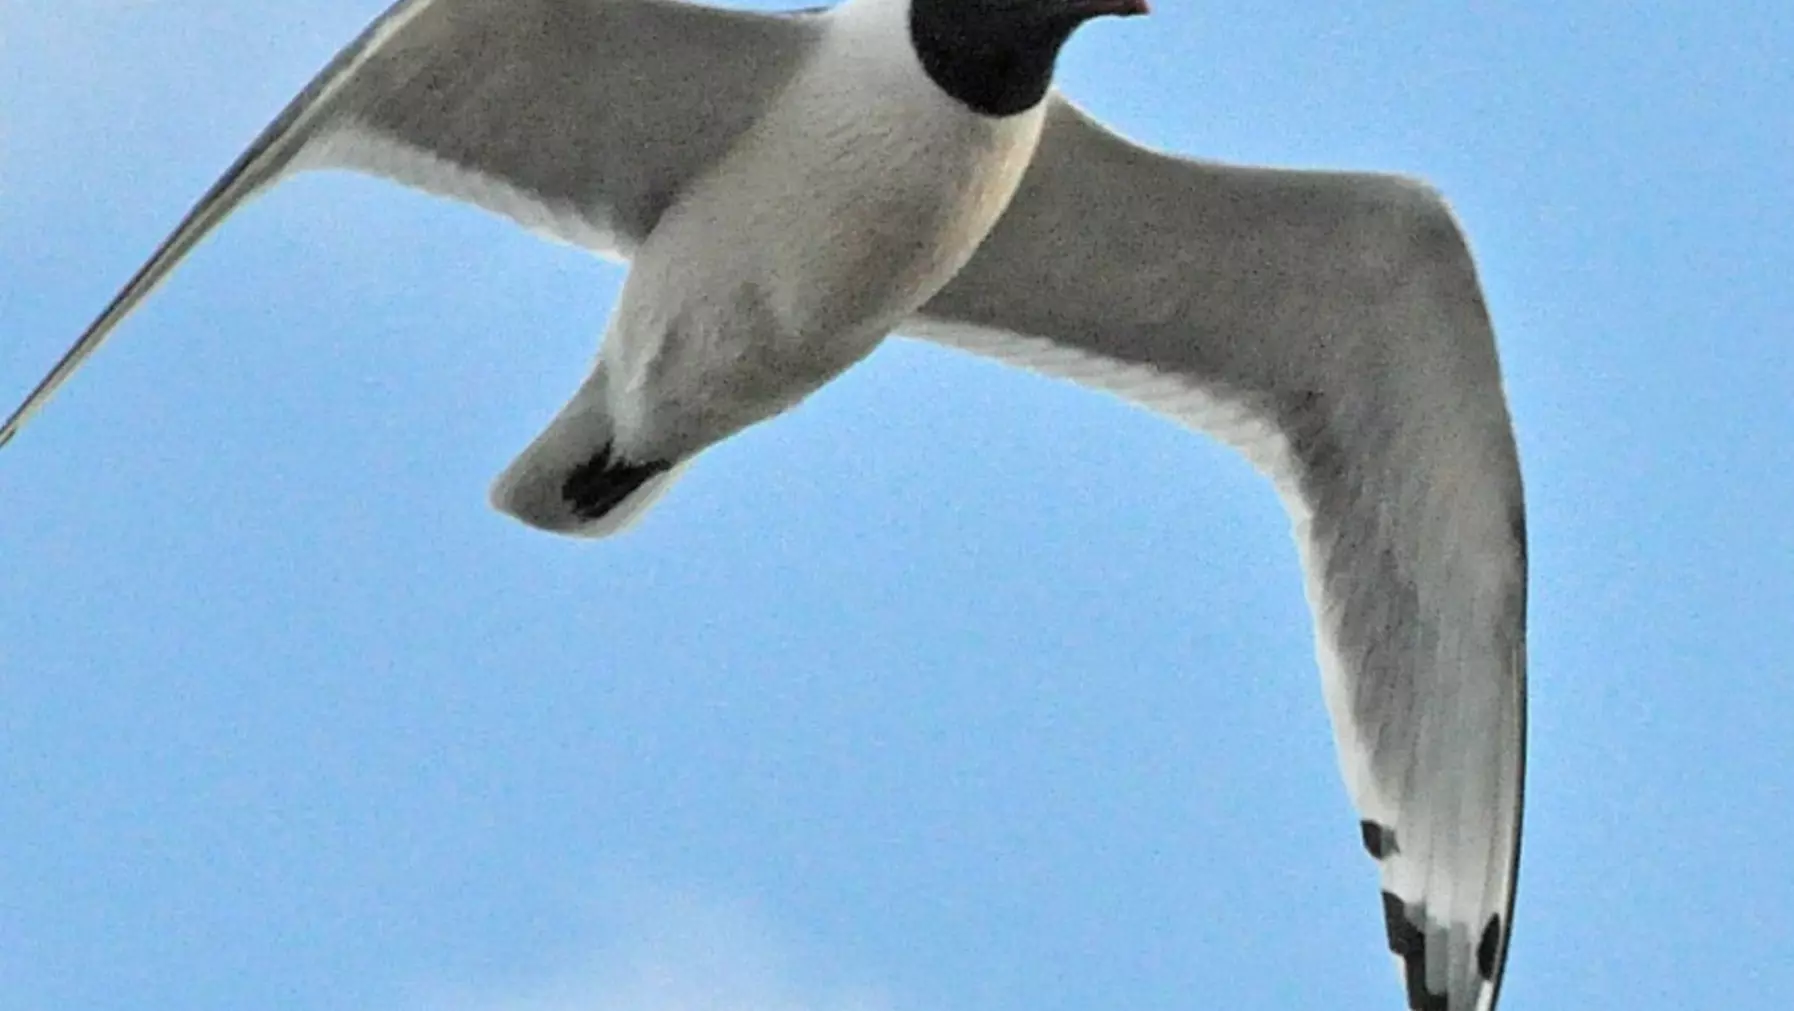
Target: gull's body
{"x":789,"y":189}
{"x":714,"y":334}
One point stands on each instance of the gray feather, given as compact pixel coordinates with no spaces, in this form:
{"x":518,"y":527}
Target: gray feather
{"x":582,"y":119}
{"x":1329,"y":325}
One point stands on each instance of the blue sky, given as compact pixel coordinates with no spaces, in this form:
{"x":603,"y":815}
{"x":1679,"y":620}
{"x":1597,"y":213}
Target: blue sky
{"x":955,"y":690}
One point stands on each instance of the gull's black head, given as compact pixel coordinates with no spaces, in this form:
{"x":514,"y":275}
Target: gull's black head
{"x":997,"y":56}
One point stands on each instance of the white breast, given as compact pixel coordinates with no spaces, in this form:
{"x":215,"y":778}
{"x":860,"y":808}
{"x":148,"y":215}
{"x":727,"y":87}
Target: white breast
{"x":864,"y":190}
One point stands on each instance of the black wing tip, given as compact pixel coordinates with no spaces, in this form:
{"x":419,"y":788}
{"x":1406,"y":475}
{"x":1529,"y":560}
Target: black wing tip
{"x":1488,"y":947}
{"x":1379,"y":839}
{"x":1408,"y":942}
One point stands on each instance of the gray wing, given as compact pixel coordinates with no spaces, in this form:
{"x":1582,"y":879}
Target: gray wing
{"x":1332,"y":328}
{"x":582,"y":119}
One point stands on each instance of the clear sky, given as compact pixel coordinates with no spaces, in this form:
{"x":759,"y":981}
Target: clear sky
{"x":957,"y":689}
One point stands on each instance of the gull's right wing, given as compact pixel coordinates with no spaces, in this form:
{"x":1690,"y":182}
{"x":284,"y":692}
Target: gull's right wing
{"x":1331,"y":326}
{"x":582,"y":119}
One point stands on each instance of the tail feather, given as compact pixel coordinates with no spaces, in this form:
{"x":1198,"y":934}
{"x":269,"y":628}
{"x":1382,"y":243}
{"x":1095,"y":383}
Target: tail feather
{"x":572,"y":481}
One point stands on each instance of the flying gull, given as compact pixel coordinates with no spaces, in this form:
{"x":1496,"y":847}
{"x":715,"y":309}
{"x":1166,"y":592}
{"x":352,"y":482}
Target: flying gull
{"x":790,"y":188}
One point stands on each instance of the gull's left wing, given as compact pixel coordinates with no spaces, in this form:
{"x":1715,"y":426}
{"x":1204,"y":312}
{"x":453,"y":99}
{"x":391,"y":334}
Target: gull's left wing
{"x":1331,"y":327}
{"x":582,"y":119}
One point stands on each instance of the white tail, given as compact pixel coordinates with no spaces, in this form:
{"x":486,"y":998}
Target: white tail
{"x":570,"y":480}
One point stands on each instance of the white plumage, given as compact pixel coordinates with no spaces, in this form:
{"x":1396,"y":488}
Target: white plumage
{"x":789,"y":189}
{"x":861,"y":191}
